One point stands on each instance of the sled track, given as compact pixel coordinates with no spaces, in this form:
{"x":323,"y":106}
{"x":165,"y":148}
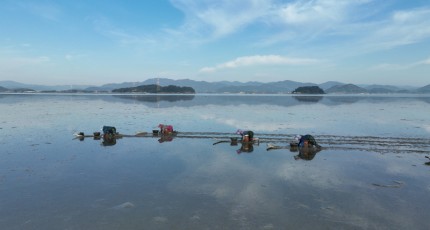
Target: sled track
{"x":362,"y":143}
{"x":341,"y":143}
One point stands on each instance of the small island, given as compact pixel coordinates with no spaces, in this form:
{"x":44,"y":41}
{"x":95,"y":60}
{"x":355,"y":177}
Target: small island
{"x":153,"y":88}
{"x":308,"y":90}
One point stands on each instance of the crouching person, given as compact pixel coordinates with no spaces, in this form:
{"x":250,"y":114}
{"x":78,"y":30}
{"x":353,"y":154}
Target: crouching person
{"x":109,"y":135}
{"x":247,"y":136}
{"x":165,"y":129}
{"x":306,"y":141}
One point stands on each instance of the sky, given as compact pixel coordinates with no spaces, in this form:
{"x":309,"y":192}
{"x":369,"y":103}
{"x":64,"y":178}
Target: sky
{"x":94,"y":42}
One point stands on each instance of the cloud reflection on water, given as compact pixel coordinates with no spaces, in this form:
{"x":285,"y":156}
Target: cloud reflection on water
{"x":274,"y":183}
{"x":187,"y":176}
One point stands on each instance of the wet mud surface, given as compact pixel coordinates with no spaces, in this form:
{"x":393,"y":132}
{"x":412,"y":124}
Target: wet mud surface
{"x":334,"y":142}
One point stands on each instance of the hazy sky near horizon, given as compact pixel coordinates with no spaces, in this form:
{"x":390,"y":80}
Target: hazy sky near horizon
{"x":97,"y":42}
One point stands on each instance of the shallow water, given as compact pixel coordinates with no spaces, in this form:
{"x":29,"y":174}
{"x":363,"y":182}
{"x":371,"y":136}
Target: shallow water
{"x":369,"y":175}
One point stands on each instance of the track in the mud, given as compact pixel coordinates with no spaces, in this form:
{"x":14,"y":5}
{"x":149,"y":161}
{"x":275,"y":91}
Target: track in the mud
{"x":361,"y":143}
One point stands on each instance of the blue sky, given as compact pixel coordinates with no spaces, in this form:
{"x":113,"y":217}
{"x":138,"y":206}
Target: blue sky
{"x":96,"y":42}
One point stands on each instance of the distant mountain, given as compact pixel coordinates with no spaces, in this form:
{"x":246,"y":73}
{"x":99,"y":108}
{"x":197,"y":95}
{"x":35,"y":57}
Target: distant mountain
{"x":381,"y":90}
{"x":425,"y":89}
{"x":3,"y":89}
{"x":199,"y":86}
{"x":329,"y":84}
{"x":112,"y":86}
{"x":258,"y":87}
{"x":23,"y":90}
{"x":251,"y":87}
{"x":379,"y":87}
{"x":390,"y":87}
{"x":17,"y":85}
{"x":346,"y":89}
{"x":286,"y":86}
{"x":17,"y":90}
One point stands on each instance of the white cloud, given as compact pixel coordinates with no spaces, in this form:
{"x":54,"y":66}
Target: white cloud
{"x":359,"y":25}
{"x":106,"y":28}
{"x":74,"y":56}
{"x":23,"y":64}
{"x":404,"y":66}
{"x":22,"y":61}
{"x":69,"y":57}
{"x":402,"y":28}
{"x":222,"y":17}
{"x":315,"y":12}
{"x":219,"y":18}
{"x":324,"y":21}
{"x":259,"y":60}
{"x":388,"y":66}
{"x":44,"y":10}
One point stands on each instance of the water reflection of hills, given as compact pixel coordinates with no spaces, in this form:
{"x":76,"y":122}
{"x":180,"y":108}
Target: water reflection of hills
{"x":312,"y":99}
{"x":203,"y":100}
{"x":279,"y":100}
{"x":152,"y":100}
{"x":157,"y":98}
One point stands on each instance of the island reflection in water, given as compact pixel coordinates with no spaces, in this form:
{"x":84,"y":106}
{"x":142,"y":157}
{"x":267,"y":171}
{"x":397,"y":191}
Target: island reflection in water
{"x":49,"y":180}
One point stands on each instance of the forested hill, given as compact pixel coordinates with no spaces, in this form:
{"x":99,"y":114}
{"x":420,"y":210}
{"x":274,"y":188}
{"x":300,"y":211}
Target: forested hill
{"x":309,"y":90}
{"x":153,"y":88}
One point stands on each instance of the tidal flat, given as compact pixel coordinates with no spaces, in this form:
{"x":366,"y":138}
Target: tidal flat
{"x":370,"y":174}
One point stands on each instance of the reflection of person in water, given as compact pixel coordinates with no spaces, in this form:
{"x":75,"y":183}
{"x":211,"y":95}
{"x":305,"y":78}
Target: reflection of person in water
{"x":307,"y":153}
{"x":427,"y":163}
{"x":165,"y":138}
{"x":108,"y":139}
{"x":233,"y":141}
{"x":246,"y":147}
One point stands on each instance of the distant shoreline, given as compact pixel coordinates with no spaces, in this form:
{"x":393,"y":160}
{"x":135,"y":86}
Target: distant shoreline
{"x":217,"y":94}
{"x":221,"y":87}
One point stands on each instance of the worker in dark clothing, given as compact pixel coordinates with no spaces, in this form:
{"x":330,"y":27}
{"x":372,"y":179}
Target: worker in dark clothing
{"x":306,"y":141}
{"x":247,"y":136}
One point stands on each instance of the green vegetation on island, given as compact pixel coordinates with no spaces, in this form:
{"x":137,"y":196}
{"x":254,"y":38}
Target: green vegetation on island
{"x":153,"y":88}
{"x":308,"y":90}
